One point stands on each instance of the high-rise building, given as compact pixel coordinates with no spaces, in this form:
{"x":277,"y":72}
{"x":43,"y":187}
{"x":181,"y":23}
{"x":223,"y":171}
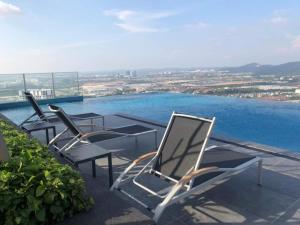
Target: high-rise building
{"x":133,"y":73}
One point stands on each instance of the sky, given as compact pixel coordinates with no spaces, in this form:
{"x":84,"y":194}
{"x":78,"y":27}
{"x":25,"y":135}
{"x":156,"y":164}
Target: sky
{"x":91,"y":35}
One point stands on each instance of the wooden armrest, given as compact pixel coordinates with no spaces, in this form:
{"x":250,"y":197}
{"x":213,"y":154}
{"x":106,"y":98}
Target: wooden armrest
{"x":86,"y":135}
{"x":185,"y":179}
{"x":143,"y":157}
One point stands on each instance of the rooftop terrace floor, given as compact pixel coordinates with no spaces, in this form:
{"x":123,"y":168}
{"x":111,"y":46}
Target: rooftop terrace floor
{"x":238,"y":200}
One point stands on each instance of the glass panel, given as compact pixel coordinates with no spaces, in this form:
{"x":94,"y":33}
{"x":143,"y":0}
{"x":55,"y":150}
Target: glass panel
{"x":40,"y":85}
{"x":11,"y":87}
{"x":66,"y":84}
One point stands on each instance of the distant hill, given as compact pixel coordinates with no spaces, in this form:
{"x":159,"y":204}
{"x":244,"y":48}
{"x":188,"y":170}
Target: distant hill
{"x":290,"y":68}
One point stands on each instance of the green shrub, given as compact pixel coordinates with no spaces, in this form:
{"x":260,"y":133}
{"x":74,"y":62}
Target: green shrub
{"x":34,"y":187}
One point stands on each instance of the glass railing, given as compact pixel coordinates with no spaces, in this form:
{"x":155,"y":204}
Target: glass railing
{"x":10,"y":85}
{"x":41,"y":85}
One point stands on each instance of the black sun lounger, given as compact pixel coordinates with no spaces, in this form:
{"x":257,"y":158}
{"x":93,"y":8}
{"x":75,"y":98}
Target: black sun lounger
{"x":42,"y":116}
{"x":78,"y":136}
{"x":183,"y":162}
{"x":93,"y":137}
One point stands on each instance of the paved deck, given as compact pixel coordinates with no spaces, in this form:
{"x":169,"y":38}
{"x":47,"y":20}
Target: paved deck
{"x":236,"y":201}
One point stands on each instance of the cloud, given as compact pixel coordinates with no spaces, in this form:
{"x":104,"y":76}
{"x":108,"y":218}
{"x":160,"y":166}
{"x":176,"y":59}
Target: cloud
{"x":8,"y":9}
{"x":137,"y":21}
{"x":136,"y":28}
{"x":296,"y":42}
{"x":292,"y":47}
{"x":197,"y":25}
{"x":279,"y":17}
{"x":278,"y":20}
{"x":120,"y":14}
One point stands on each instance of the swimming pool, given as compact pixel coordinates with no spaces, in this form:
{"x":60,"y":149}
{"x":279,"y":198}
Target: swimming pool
{"x":266,"y":122}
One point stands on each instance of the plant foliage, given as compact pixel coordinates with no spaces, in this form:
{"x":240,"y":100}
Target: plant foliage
{"x":34,"y":187}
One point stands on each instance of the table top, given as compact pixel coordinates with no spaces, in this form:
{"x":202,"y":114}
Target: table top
{"x":85,"y":116}
{"x":82,"y":116}
{"x":132,"y":129}
{"x":85,"y":152}
{"x":35,"y":126}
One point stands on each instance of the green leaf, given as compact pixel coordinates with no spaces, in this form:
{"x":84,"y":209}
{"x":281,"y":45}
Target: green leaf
{"x":47,"y":174}
{"x":9,"y":221}
{"x":56,"y":209}
{"x":62,"y":194}
{"x":41,"y":215}
{"x":49,"y":197}
{"x":91,"y":201}
{"x":31,"y":178}
{"x":33,"y":181}
{"x":18,"y":220}
{"x":40,"y":191}
{"x":20,"y":166}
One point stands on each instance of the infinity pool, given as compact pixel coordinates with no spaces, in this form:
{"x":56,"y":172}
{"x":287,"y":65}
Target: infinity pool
{"x":266,"y":122}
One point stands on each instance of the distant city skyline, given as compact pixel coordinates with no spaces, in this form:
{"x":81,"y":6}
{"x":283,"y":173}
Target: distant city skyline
{"x":91,"y":35}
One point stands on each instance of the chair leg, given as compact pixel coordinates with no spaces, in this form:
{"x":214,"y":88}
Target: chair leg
{"x":259,"y":172}
{"x":166,"y":202}
{"x":94,"y":168}
{"x":110,"y":172}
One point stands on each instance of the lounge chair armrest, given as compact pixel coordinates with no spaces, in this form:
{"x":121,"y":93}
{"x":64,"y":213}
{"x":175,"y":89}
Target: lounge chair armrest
{"x":143,"y":157}
{"x":187,"y":178}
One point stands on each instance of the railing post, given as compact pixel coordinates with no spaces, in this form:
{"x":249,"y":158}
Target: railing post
{"x":78,"y":86}
{"x":24,"y":82}
{"x":53,"y":87}
{"x":24,"y":85}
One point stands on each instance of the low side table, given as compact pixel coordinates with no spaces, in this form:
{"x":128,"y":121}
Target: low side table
{"x":37,"y":126}
{"x":89,"y":152}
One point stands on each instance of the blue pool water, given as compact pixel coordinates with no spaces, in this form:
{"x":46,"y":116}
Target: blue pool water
{"x":266,"y":122}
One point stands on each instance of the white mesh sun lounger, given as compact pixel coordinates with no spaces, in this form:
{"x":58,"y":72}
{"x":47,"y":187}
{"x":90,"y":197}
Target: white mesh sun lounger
{"x":184,"y":162}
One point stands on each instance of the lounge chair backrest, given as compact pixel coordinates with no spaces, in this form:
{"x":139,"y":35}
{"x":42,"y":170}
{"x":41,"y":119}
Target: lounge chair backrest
{"x":59,"y":112}
{"x":34,"y":105}
{"x":183,"y":145}
{"x":4,"y":156}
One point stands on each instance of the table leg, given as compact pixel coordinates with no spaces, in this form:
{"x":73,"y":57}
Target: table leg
{"x":54,"y":132}
{"x":155,"y":136}
{"x":136,"y":142}
{"x":110,"y":172}
{"x":94,"y":167}
{"x":47,"y":135}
